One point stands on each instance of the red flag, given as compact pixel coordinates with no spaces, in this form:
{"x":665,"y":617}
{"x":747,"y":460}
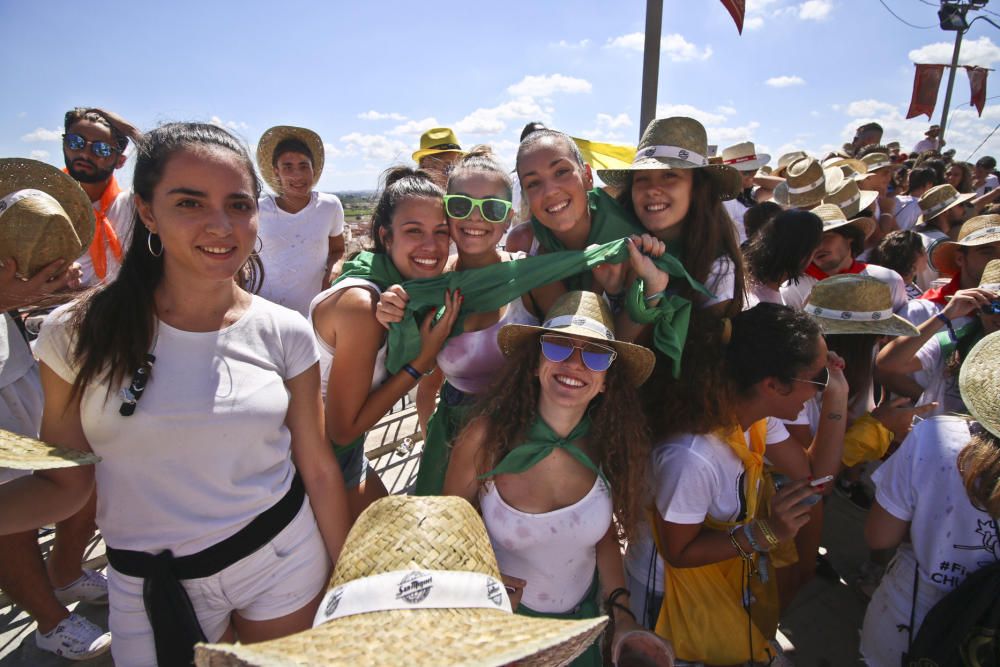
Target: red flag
{"x":737,"y":9}
{"x":977,"y":82}
{"x":926,"y":82}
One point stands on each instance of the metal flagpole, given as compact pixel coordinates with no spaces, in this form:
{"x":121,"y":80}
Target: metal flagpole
{"x":951,"y":82}
{"x":650,"y":63}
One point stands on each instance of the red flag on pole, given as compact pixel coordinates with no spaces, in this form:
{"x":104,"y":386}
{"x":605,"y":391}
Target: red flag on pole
{"x":926,"y":82}
{"x":737,"y":9}
{"x":977,"y":82}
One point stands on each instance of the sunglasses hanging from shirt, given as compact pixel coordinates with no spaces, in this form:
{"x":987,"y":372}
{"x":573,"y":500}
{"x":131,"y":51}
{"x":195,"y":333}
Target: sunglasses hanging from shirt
{"x":132,"y":393}
{"x":75,"y":142}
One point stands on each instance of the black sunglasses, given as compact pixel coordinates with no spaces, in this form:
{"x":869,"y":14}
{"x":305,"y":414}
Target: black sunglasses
{"x":821,"y":380}
{"x":75,"y":142}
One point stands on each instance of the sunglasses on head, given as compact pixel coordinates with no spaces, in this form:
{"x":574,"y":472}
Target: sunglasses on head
{"x":596,"y":357}
{"x":491,"y":209}
{"x":821,"y":380}
{"x":75,"y":142}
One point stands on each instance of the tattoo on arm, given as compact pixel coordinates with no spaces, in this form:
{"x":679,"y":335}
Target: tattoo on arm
{"x":834,"y":416}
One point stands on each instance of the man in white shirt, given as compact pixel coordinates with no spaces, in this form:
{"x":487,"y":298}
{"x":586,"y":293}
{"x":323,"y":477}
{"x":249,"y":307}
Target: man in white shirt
{"x":921,"y":179}
{"x":985,"y":179}
{"x":931,"y":142}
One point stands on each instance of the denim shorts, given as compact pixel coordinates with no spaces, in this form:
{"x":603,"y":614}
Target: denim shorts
{"x":353,"y":465}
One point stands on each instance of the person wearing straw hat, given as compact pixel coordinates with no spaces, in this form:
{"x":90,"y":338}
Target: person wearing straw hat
{"x":806,"y":183}
{"x":785,"y":160}
{"x":301,"y":230}
{"x":94,"y":143}
{"x":438,"y":152}
{"x":937,"y":503}
{"x":417,"y":584}
{"x":843,"y":240}
{"x":878,"y":177}
{"x":744,"y":158}
{"x":560,"y":477}
{"x":932,"y":141}
{"x":919,"y":181}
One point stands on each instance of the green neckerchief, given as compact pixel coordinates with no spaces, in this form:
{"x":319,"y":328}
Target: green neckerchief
{"x":608,"y":222}
{"x":376,"y":267}
{"x":541,"y":441}
{"x":972,"y":327}
{"x":490,"y":287}
{"x":670,"y":318}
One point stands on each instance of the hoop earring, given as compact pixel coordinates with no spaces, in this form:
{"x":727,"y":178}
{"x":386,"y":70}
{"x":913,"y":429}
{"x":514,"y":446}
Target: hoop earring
{"x":258,"y":246}
{"x":149,"y":245}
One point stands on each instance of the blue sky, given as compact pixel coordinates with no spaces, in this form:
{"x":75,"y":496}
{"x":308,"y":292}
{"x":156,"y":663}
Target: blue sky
{"x":370,"y":76}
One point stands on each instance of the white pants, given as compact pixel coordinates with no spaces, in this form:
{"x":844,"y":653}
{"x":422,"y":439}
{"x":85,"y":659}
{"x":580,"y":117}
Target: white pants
{"x":274,"y":581}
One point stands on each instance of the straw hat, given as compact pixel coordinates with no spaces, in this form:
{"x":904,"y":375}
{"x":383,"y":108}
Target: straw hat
{"x":979,"y":230}
{"x":852,"y":303}
{"x":676,"y":143}
{"x":744,"y":157}
{"x":787,"y":159}
{"x":851,"y":199}
{"x":44,"y":215}
{"x":806,"y":183}
{"x":876,"y":161}
{"x":990,"y":279}
{"x":850,"y":167}
{"x":437,"y":140}
{"x":979,"y":382}
{"x":22,"y":453}
{"x":585,"y":315}
{"x":939,"y":199}
{"x":274,"y":136}
{"x":766,"y":179}
{"x":834,"y":218}
{"x":416,"y":584}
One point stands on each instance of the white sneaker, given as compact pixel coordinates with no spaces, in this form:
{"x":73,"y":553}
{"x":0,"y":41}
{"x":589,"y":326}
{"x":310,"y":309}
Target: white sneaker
{"x":91,"y":588}
{"x":75,"y":638}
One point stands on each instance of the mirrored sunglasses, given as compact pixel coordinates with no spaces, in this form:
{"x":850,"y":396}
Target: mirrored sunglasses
{"x":460,"y":207}
{"x":596,"y":357}
{"x":75,"y":142}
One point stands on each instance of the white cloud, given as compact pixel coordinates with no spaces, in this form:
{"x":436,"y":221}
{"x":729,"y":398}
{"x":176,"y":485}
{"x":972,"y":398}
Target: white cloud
{"x":546,"y":86}
{"x":331,"y":151}
{"x":726,"y":110}
{"x":785,"y":81}
{"x":702,"y":116}
{"x":725,"y":136}
{"x":607,"y":127}
{"x":41,"y":134}
{"x":375,"y":148}
{"x":815,"y":10}
{"x":613,"y":122}
{"x":869,"y":109}
{"x":378,"y":115}
{"x":563,"y":44}
{"x":674,"y":46}
{"x":228,"y":124}
{"x":753,"y":22}
{"x":634,"y":41}
{"x":39,"y":155}
{"x":982,"y":52}
{"x":414,"y":127}
{"x":492,"y":120}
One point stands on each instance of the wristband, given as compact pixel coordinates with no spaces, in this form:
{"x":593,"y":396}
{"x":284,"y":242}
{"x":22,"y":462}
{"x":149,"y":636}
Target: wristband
{"x":414,"y":373}
{"x":654,"y":297}
{"x":754,"y":544}
{"x":732,"y":538}
{"x":951,"y":329}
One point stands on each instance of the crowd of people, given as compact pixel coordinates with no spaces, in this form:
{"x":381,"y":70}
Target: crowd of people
{"x":647,"y":390}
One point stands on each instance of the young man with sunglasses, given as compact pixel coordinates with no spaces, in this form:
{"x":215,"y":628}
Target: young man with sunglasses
{"x":94,"y":145}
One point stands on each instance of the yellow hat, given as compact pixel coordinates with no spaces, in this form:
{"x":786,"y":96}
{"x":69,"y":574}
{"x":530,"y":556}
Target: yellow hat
{"x":437,"y":140}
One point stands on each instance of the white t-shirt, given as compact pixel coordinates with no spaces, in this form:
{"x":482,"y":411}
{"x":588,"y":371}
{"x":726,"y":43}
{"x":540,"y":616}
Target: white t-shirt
{"x":20,"y":388}
{"x":736,"y":210}
{"x":927,"y":144}
{"x":120,"y":215}
{"x":991,"y":184}
{"x":907,"y":211}
{"x":295,"y":247}
{"x":796,"y":294}
{"x":721,"y":281}
{"x":940,"y":384}
{"x":207,"y":448}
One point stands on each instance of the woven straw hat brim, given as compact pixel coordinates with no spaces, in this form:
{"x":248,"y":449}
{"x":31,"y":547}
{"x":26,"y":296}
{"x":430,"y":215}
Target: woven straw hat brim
{"x":767,"y":182}
{"x":865,"y":225}
{"x":729,"y":181}
{"x":274,"y":136}
{"x":894,"y":326}
{"x":21,"y":174}
{"x":962,"y":198}
{"x":979,"y":382}
{"x":418,"y":638}
{"x":22,"y":453}
{"x":638,"y":360}
{"x":943,"y":254}
{"x":800,"y":200}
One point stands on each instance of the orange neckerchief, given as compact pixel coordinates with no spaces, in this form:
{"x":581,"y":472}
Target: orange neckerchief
{"x":104,"y":232}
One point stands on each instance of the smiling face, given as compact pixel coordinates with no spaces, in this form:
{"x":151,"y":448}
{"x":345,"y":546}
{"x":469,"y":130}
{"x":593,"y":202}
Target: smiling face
{"x":661,"y":198}
{"x":295,"y":173}
{"x":418,"y":244}
{"x":474,"y":235}
{"x":555,"y":185}
{"x":569,"y":383}
{"x":204,"y":210}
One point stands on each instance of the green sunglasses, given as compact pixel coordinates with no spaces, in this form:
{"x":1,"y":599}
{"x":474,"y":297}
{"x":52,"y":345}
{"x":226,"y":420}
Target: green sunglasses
{"x":491,"y":209}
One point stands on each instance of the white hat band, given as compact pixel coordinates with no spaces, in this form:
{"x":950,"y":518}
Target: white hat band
{"x":850,"y":315}
{"x":413,"y":589}
{"x":991,"y":287}
{"x":978,"y":234}
{"x":670,"y":151}
{"x":564,"y":321}
{"x":807,"y":188}
{"x":879,"y":165}
{"x":937,"y":208}
{"x":18,"y":195}
{"x":856,"y":197}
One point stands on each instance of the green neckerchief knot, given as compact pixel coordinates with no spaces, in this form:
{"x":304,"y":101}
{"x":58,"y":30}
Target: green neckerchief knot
{"x":608,"y":222}
{"x":490,"y":287}
{"x":670,"y":318}
{"x":376,"y":267}
{"x":541,"y":441}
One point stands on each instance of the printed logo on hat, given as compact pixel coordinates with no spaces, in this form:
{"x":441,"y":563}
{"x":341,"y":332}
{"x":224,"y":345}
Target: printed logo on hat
{"x":414,"y":587}
{"x":649,"y":151}
{"x":494,"y":591}
{"x":331,"y":604}
{"x":845,"y":315}
{"x":876,"y":316}
{"x":682,"y":154}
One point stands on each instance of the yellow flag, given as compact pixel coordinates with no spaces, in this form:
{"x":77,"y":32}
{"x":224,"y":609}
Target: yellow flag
{"x":605,"y":156}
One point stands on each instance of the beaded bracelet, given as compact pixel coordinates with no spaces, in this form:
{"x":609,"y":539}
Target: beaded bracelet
{"x":769,"y":535}
{"x":951,"y":329}
{"x":754,"y":544}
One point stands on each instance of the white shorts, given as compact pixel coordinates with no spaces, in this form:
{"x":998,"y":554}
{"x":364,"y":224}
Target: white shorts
{"x":274,"y":581}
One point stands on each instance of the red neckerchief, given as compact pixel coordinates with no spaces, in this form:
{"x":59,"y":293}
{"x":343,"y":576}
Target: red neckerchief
{"x":938,"y":294}
{"x":819,"y":274}
{"x":104,"y":231}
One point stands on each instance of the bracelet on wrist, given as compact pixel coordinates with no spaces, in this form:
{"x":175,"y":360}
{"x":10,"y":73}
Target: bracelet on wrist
{"x":765,"y":529}
{"x":951,"y":329}
{"x":736,"y":543}
{"x":655,"y":296}
{"x":754,"y":544}
{"x":413,"y":372}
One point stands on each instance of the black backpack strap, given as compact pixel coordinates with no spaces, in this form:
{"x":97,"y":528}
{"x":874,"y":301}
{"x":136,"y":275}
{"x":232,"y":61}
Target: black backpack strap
{"x":913,"y":614}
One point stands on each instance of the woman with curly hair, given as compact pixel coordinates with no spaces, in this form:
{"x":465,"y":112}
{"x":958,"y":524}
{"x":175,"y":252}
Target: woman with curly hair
{"x":556,"y":459}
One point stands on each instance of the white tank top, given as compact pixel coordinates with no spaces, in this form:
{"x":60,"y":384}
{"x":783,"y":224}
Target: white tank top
{"x":554,"y":552}
{"x":326,"y":352}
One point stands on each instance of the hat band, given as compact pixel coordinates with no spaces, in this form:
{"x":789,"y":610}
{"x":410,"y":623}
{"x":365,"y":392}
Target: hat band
{"x":853,"y":199}
{"x":565,"y":321}
{"x":445,"y":147}
{"x":18,"y":195}
{"x":737,"y":160}
{"x":413,"y":589}
{"x":978,"y":234}
{"x":850,"y":315}
{"x":879,"y":165}
{"x":806,"y":188}
{"x":670,"y":151}
{"x":992,"y":287}
{"x":937,"y":208}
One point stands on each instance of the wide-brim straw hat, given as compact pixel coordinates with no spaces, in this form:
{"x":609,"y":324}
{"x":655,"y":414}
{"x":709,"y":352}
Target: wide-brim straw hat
{"x":744,"y":157}
{"x":584,"y":315}
{"x":437,"y":140}
{"x":852,"y":303}
{"x":855,"y":169}
{"x":23,"y":453}
{"x":876,"y":161}
{"x":833,"y":218}
{"x":408,"y":553}
{"x":976,"y":231}
{"x":939,"y":199}
{"x":676,"y":143}
{"x":806,"y":183}
{"x":44,"y":215}
{"x":274,"y":136}
{"x":850,"y":198}
{"x":787,"y":159}
{"x":979,"y":382}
